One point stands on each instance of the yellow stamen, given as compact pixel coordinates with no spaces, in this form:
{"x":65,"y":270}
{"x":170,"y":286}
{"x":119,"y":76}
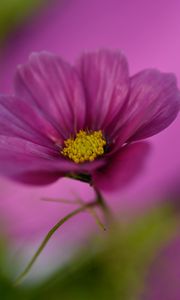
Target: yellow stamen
{"x":86,"y":146}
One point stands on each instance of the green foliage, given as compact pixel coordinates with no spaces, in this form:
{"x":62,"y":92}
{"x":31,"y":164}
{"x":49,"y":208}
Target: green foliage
{"x":111,"y":266}
{"x":114,"y":267}
{"x":6,"y":289}
{"x":14,"y":12}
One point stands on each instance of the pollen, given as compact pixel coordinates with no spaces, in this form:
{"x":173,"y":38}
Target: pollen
{"x":86,"y":146}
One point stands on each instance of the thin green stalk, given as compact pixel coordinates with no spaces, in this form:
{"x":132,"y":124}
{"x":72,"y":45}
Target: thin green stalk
{"x":97,"y":219}
{"x":93,"y":213}
{"x":77,"y":202}
{"x":102,"y":203}
{"x":49,"y":235}
{"x":74,"y":202}
{"x":99,"y":201}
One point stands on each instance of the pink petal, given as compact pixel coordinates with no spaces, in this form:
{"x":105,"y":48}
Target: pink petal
{"x":30,"y":170}
{"x":34,"y":164}
{"x":122,"y":168}
{"x":153,"y":105}
{"x":105,"y":79}
{"x":20,"y":119}
{"x":36,"y":177}
{"x":22,"y":147}
{"x":53,"y":86}
{"x":28,"y":162}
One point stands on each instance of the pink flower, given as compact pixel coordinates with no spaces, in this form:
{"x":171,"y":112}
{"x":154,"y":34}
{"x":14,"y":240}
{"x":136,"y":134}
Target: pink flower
{"x":82,"y":121}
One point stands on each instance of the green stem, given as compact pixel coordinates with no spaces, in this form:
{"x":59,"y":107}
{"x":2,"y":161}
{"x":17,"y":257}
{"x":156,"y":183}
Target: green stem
{"x":56,"y":200}
{"x":81,"y":177}
{"x":49,"y":235}
{"x":88,"y":179}
{"x":94,"y":214}
{"x":102,"y":203}
{"x":78,"y":202}
{"x":99,"y":201}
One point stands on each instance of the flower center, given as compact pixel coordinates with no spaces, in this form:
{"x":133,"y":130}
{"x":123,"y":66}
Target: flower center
{"x":86,"y":146}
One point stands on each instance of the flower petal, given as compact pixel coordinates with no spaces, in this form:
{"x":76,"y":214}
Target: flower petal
{"x":34,"y":164}
{"x":20,"y":119}
{"x":54,"y":87}
{"x":153,"y":104}
{"x":26,"y":168}
{"x":122,"y":168}
{"x":104,"y":75}
{"x":23,"y":148}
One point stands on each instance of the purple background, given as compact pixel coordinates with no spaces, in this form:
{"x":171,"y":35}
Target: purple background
{"x":149,"y":34}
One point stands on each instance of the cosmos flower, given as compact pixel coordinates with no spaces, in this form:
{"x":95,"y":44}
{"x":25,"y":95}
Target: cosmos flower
{"x":82,"y":121}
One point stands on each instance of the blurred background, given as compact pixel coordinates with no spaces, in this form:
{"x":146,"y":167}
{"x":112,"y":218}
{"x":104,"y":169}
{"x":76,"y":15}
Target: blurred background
{"x":141,"y":258}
